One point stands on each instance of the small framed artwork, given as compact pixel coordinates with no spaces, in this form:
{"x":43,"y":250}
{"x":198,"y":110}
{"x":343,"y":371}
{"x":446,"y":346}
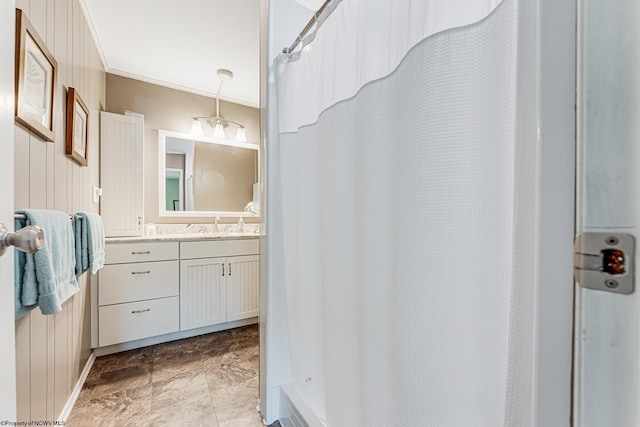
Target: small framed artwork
{"x":77,"y":127}
{"x":36,"y":73}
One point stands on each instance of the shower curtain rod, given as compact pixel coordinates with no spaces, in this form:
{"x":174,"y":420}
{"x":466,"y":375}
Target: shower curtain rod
{"x":306,"y":29}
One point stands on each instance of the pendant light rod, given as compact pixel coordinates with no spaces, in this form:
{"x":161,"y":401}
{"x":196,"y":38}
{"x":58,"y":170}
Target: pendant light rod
{"x":223,"y":75}
{"x":218,"y":95}
{"x":217,"y":122}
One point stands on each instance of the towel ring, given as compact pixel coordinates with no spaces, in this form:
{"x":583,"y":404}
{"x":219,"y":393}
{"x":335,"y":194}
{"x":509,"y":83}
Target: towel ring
{"x":28,"y":239}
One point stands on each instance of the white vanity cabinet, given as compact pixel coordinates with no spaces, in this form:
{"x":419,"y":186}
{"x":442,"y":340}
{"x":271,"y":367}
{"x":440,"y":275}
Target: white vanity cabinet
{"x":155,"y":291}
{"x":138,"y":292}
{"x":218,"y":282}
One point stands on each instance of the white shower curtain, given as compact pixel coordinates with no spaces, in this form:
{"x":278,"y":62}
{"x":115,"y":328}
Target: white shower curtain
{"x":407,"y":157}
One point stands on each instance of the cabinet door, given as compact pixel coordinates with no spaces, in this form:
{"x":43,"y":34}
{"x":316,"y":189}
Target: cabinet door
{"x":203,"y":292}
{"x":122,"y":174}
{"x":242,"y":287}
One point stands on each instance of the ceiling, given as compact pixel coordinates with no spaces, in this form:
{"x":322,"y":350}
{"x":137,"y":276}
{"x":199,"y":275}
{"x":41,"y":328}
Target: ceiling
{"x":181,"y":44}
{"x":311,"y":4}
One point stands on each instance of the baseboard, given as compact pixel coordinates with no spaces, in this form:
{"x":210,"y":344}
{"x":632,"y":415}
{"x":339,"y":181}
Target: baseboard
{"x":66,"y":411}
{"x":159,"y":339}
{"x":294,"y":411}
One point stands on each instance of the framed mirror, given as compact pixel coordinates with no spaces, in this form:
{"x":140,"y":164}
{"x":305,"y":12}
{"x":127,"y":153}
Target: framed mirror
{"x":199,"y":176}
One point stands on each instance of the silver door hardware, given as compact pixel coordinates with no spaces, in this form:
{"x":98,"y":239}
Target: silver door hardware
{"x":28,"y":239}
{"x":141,"y":253}
{"x":604,"y":261}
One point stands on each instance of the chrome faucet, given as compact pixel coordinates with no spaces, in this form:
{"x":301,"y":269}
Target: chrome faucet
{"x":215,"y":224}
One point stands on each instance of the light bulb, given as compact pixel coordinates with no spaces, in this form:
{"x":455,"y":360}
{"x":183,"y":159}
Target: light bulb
{"x":218,"y":132}
{"x":241,"y":135}
{"x":196,"y":127}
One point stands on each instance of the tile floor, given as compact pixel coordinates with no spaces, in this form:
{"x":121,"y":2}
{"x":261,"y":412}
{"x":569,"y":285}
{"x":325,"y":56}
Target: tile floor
{"x":210,"y":380}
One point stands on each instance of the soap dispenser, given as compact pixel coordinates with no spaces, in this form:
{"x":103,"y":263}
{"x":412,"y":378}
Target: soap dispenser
{"x":241,"y":225}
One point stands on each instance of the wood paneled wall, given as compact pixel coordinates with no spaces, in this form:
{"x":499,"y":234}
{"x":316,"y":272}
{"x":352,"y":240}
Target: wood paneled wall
{"x":51,"y":351}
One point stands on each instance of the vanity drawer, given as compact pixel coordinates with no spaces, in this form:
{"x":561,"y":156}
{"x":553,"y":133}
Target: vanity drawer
{"x":136,"y":320}
{"x":138,"y":281}
{"x":219,"y":248}
{"x":119,"y":253}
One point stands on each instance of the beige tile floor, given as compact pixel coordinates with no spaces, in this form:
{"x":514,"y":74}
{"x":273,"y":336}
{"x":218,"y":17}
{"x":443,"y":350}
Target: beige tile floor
{"x":210,"y":380}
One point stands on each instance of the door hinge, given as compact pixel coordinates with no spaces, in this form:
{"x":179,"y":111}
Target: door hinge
{"x":604,"y":261}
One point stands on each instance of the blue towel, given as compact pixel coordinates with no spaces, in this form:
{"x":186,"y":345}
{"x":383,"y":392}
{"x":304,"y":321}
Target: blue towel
{"x":89,"y":233}
{"x":46,"y":278}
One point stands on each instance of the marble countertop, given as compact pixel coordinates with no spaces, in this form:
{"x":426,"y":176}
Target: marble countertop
{"x":182,"y":237}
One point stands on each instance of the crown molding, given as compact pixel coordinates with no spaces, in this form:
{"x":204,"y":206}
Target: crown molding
{"x":94,"y":33}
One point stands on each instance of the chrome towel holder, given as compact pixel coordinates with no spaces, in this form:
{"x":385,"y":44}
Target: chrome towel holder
{"x":28,"y":239}
{"x":23,"y":216}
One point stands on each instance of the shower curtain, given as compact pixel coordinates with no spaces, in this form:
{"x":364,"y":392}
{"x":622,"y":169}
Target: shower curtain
{"x":405,"y":136}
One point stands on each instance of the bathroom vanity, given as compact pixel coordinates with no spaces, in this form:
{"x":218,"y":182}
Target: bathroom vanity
{"x":164,"y":287}
{"x":167,"y":287}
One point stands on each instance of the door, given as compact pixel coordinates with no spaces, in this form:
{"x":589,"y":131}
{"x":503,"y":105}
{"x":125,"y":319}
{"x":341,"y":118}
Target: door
{"x":203,"y":292}
{"x":7,"y":309}
{"x":122,"y":174}
{"x":242,"y":287}
{"x":607,"y":323}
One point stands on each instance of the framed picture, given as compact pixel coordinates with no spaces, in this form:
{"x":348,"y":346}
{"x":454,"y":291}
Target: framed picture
{"x":77,"y":127}
{"x":36,"y":73}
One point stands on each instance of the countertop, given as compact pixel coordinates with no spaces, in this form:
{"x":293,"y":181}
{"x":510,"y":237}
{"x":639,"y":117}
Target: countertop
{"x":187,"y":237}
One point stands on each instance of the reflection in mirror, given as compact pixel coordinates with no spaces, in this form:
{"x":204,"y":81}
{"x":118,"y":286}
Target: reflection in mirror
{"x":174,"y":188}
{"x":201,"y":176}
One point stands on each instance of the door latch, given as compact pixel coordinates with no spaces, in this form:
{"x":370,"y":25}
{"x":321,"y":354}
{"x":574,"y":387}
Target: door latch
{"x":604,"y":261}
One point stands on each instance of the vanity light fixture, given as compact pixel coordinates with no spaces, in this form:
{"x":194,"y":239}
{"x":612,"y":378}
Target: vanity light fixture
{"x":241,"y":135}
{"x":196,"y":127}
{"x":217,"y":122}
{"x":218,"y":131}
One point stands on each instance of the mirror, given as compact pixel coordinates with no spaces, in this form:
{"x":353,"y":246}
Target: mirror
{"x":200,"y":176}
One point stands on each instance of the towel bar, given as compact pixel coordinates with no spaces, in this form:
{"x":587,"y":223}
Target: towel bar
{"x":22,"y":216}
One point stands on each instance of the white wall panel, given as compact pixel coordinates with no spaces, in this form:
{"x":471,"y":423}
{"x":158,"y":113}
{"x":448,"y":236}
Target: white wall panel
{"x":52,"y":350}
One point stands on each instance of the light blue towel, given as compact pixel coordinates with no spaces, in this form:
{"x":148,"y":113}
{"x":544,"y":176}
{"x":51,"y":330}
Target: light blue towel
{"x":46,"y":278}
{"x":89,"y":236}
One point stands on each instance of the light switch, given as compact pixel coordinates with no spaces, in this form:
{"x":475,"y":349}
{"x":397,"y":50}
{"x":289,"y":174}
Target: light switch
{"x":96,"y":192}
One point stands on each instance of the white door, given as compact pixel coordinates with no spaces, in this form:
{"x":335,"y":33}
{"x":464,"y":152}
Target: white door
{"x":242,"y":287}
{"x":7,"y":310}
{"x":203,"y":292}
{"x":607,"y":334}
{"x":122,"y":174}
